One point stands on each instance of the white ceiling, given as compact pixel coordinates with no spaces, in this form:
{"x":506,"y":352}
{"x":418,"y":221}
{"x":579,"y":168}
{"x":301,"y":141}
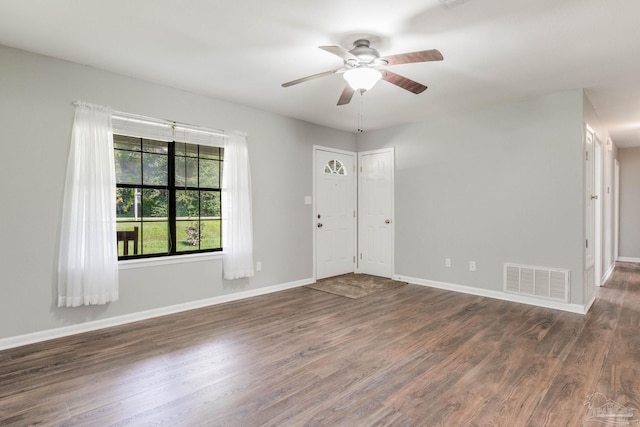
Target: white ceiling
{"x":242,"y":50}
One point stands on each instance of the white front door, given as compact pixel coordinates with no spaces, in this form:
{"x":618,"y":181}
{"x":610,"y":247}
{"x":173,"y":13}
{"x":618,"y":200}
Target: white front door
{"x":375,"y":205}
{"x":589,"y":215}
{"x":335,"y":212}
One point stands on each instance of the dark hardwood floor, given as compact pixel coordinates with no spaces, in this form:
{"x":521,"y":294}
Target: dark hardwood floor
{"x":409,"y":356}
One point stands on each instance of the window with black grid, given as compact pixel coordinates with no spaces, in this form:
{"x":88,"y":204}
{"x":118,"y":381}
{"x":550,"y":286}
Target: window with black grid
{"x":167,"y":197}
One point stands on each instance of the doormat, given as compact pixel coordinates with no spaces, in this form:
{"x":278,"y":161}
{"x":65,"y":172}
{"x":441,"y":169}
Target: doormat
{"x":355,"y":286}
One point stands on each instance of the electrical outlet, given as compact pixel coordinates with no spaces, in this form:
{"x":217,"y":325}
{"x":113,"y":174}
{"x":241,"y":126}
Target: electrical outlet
{"x":447,"y":262}
{"x":259,"y":266}
{"x":472,"y":266}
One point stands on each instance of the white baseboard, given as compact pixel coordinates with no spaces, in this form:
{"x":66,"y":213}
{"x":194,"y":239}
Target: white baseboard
{"x":608,"y":273}
{"x":20,"y":340}
{"x":627,"y":259}
{"x":590,"y":303}
{"x":572,"y":308}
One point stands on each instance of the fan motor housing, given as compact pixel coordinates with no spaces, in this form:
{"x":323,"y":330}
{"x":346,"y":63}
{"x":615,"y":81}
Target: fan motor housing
{"x":363,"y":52}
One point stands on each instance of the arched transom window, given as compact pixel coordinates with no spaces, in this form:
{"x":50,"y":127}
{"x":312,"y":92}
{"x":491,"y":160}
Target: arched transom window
{"x":335,"y":167}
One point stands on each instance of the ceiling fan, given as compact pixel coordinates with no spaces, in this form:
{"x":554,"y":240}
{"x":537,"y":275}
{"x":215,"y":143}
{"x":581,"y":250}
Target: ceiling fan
{"x":362,"y":68}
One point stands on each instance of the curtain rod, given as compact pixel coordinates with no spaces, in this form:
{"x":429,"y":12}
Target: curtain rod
{"x":131,"y":116}
{"x":171,"y":123}
{"x":161,"y":122}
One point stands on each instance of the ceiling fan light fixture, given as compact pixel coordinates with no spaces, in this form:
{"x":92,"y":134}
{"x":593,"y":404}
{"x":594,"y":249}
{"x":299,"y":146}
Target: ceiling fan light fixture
{"x":362,"y":78}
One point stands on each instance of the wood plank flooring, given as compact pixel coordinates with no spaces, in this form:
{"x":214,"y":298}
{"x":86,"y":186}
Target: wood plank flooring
{"x":410,"y":356}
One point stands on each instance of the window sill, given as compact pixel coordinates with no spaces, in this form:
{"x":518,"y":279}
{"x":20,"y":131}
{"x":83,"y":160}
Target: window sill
{"x":168,"y":260}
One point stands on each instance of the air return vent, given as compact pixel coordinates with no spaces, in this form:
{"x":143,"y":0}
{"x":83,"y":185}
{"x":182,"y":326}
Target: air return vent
{"x":540,"y":282}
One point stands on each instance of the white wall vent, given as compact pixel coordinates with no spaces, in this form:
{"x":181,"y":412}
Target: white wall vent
{"x":540,"y":282}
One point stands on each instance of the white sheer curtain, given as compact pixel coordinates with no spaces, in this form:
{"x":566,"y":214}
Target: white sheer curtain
{"x":88,"y":263}
{"x":237,"y":226}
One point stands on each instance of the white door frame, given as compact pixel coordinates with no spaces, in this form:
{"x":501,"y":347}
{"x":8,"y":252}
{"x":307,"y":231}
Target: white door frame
{"x":317,"y":148}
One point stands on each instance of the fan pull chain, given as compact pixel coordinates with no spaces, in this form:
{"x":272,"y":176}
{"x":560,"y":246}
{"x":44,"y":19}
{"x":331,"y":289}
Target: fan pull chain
{"x":360,"y":126}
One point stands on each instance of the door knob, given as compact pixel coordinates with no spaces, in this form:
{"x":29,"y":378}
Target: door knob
{"x":387,"y":221}
{"x":594,"y":197}
{"x":319,"y":225}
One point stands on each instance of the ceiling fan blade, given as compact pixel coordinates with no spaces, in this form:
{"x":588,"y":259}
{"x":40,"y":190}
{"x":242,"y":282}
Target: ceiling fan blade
{"x":339,"y":51}
{"x":311,"y":77}
{"x":408,"y":58}
{"x":346,"y":96}
{"x":403,"y":82}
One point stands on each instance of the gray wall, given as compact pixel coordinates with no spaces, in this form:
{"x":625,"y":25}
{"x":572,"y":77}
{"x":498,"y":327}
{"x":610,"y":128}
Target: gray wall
{"x":36,"y":95}
{"x":629,"y":159}
{"x":501,"y":184}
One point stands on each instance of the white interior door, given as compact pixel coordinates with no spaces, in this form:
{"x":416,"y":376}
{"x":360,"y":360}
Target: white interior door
{"x":375,"y":206}
{"x":616,"y":211}
{"x":597,"y":218}
{"x":335,"y":212}
{"x":589,"y":204}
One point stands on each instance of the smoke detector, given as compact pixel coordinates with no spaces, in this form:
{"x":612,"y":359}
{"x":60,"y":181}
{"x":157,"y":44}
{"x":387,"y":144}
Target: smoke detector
{"x":450,"y":4}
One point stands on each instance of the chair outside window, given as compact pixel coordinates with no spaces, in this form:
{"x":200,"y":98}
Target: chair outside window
{"x":128,"y":236}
